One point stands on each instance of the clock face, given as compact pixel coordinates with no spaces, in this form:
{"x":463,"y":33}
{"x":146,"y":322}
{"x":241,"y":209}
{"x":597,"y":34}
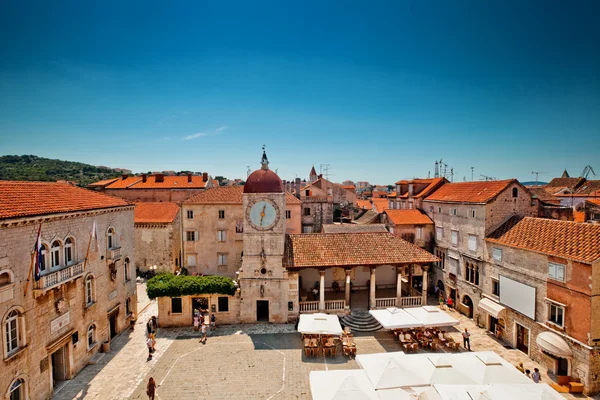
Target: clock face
{"x":263,"y":214}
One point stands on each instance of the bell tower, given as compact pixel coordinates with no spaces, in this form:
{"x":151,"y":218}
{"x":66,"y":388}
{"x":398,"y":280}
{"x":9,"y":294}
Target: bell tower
{"x":262,"y":279}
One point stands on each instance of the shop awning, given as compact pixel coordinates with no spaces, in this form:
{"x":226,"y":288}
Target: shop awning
{"x":491,"y":307}
{"x":554,"y":344}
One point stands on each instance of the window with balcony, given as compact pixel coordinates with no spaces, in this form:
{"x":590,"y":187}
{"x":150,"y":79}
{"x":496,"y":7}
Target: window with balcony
{"x":556,"y":271}
{"x":556,"y":314}
{"x":454,"y":238}
{"x":55,"y":254}
{"x":89,"y":290}
{"x":221,"y":236}
{"x":43,"y":260}
{"x":91,"y":336}
{"x":111,"y":238}
{"x":69,"y":251}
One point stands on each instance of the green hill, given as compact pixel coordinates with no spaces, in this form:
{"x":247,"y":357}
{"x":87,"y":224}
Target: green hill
{"x":33,"y":168}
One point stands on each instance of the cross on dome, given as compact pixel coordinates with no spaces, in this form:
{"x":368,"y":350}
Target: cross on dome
{"x":265,"y":161}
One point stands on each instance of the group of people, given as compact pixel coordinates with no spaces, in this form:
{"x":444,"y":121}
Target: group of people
{"x":151,"y":328}
{"x":449,"y":302}
{"x":199,"y":323}
{"x":536,"y":376}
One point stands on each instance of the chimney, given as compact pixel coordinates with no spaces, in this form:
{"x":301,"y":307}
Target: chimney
{"x":319,"y":176}
{"x":205,"y":177}
{"x":159,"y":177}
{"x":298,"y":188}
{"x":125,"y":176}
{"x":189,"y":177}
{"x":144,"y":177}
{"x":410,"y":189}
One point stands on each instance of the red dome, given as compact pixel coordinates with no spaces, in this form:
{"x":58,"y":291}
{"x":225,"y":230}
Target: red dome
{"x":263,"y":181}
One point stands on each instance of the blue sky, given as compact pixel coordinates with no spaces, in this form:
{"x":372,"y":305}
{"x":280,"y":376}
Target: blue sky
{"x":378,"y":90}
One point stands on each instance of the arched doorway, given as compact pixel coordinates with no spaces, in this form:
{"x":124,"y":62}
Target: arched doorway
{"x":468,"y":303}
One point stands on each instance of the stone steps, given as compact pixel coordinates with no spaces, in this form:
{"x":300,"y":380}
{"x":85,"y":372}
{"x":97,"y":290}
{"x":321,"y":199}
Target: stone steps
{"x":361,"y":321}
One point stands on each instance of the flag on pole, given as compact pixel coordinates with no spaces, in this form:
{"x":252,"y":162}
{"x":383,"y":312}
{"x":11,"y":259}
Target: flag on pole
{"x":37,"y":250}
{"x":94,"y":235}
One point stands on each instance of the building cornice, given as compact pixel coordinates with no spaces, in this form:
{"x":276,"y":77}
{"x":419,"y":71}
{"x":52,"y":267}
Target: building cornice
{"x":25,"y":221}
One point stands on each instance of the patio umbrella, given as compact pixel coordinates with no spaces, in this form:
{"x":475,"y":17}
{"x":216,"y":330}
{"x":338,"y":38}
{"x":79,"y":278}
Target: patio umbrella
{"x":389,"y":370}
{"x":431,"y":316}
{"x":395,"y":318}
{"x":319,"y":324}
{"x":351,"y":384}
{"x":488,"y":368}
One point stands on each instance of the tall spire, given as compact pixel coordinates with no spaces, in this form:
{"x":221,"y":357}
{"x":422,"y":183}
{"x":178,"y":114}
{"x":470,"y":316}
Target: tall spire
{"x":265,"y":161}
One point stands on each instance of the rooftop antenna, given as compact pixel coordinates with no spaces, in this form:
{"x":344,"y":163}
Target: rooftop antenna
{"x":451,"y":174}
{"x":324,"y":170}
{"x":537,"y":173}
{"x":487,"y":178}
{"x":472,"y":169}
{"x":436,"y":174}
{"x":249,"y":171}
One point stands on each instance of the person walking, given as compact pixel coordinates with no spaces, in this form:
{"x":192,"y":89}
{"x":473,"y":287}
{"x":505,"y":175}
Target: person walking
{"x":449,"y":303}
{"x":203,"y":340}
{"x":150,"y":345}
{"x":536,"y":376}
{"x":441,"y":302}
{"x":213,"y":321}
{"x":151,"y":388}
{"x":466,"y":339}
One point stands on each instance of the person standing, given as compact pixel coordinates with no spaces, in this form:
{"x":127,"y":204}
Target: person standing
{"x":151,"y":388}
{"x":528,"y":373}
{"x":213,"y":321}
{"x":536,"y":376}
{"x":449,"y":303}
{"x":203,"y":340}
{"x":466,"y":339}
{"x":521,"y":368}
{"x":441,"y":301}
{"x":150,"y":345}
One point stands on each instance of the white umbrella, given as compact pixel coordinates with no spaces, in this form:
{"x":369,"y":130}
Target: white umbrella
{"x":431,"y":316}
{"x":390,"y":370}
{"x":319,"y":324}
{"x":349,"y":384}
{"x":395,"y":318}
{"x":488,"y":368}
{"x":418,"y":393}
{"x":525,"y":391}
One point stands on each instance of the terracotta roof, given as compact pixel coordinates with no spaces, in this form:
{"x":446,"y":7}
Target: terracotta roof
{"x":354,"y":228}
{"x":170,"y":182}
{"x":164,"y":212}
{"x":408,"y":217}
{"x":215,"y":183}
{"x":380,"y":204}
{"x":263,"y":181}
{"x":595,"y":202}
{"x":345,"y":249}
{"x":433,"y":185}
{"x":348,"y":187}
{"x":380,"y":193}
{"x":576,"y":241}
{"x":364,"y":204}
{"x":367,"y":218}
{"x":26,"y":199}
{"x":124,"y":183}
{"x":541,"y":194}
{"x":228,"y":195}
{"x":469,"y":192}
{"x":102,"y":183}
{"x":560,"y":183}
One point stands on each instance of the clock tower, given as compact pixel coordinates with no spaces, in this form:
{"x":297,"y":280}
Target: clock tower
{"x":262,"y":278}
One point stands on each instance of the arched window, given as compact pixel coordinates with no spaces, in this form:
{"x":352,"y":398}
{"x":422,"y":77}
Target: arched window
{"x":476,"y":275}
{"x":515,"y":192}
{"x":13,"y":331}
{"x":89,"y":290}
{"x":111,"y":238}
{"x":468,"y":272}
{"x":126,"y":267}
{"x":43,"y":259}
{"x":69,"y":251}
{"x":91,"y":336}
{"x":55,"y":254}
{"x":17,"y":390}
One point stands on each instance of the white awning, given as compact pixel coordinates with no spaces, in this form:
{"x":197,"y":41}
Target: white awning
{"x":319,"y":324}
{"x":490,"y":307}
{"x":554,"y":344}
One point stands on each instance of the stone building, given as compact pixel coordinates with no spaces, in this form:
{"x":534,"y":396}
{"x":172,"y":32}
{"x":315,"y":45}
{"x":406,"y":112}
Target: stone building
{"x":410,"y":193}
{"x":463,"y":214}
{"x":155,"y":187}
{"x":213,"y":229}
{"x":592,"y":211}
{"x":414,"y":226}
{"x":542,"y":289}
{"x":52,"y":326}
{"x":157,"y":236}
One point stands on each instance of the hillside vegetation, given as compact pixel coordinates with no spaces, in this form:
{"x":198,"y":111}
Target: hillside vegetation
{"x":33,"y":168}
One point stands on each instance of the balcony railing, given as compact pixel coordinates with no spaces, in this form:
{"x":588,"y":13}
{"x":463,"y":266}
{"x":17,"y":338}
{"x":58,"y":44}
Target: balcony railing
{"x":335,"y":305}
{"x":113,"y":254}
{"x":59,"y":277}
{"x":385,"y":302}
{"x":308,"y":307}
{"x":413,"y":301}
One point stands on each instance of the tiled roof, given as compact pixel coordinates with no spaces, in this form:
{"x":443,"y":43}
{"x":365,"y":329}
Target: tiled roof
{"x":27,"y":199}
{"x":364,"y":204}
{"x":469,"y":192}
{"x":589,"y":187}
{"x":124,"y":183}
{"x":595,"y":202}
{"x":433,"y":185}
{"x":380,"y":204}
{"x":348,"y":187}
{"x":379,"y":193}
{"x":408,"y":217}
{"x":164,"y":212}
{"x":576,"y":241}
{"x":541,"y":194}
{"x":228,"y":195}
{"x":354,"y":228}
{"x":346,"y":249}
{"x":102,"y":183}
{"x":367,"y":218}
{"x":215,"y":183}
{"x":170,"y":182}
{"x":560,"y":183}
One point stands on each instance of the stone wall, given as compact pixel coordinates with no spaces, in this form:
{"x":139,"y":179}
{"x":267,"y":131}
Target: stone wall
{"x":158,"y":244}
{"x":166,"y":317}
{"x":153,"y":195}
{"x":53,"y":318}
{"x":505,"y":205}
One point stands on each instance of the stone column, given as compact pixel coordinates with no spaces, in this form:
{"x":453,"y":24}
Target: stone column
{"x":347,"y":293}
{"x":372,"y":290}
{"x":399,"y":287}
{"x":424,"y":287}
{"x":322,"y":290}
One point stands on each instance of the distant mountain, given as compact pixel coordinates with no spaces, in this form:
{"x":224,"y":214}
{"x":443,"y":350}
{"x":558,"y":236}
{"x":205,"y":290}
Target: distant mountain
{"x":34,"y":168}
{"x":534,"y":183}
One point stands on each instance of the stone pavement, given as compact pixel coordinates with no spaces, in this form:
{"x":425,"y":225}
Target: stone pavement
{"x":259,"y":361}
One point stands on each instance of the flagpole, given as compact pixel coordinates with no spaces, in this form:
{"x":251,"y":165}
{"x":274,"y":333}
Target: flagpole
{"x":87,"y":252}
{"x":33,"y":253}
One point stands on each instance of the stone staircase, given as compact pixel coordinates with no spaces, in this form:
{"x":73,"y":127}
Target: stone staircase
{"x":361,"y":321}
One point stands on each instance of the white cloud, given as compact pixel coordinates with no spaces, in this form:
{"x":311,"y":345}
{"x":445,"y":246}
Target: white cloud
{"x":203,"y":134}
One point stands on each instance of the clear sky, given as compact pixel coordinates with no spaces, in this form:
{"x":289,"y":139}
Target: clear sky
{"x":378,"y":90}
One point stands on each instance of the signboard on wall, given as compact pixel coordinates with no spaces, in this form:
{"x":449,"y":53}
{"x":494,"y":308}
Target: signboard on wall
{"x":518,"y":296}
{"x":58,"y":323}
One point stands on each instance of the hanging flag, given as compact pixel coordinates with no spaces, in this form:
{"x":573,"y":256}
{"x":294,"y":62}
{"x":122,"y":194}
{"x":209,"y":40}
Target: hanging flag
{"x":94,"y":235}
{"x":37,"y":249}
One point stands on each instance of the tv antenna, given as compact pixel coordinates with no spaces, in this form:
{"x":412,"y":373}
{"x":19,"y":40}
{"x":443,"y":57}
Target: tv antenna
{"x":472,"y":169}
{"x":537,"y":173}
{"x":487,"y":178}
{"x":324,"y":170}
{"x":249,"y":171}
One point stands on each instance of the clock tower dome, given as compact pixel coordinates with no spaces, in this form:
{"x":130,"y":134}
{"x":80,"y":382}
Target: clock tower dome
{"x":262,"y":278}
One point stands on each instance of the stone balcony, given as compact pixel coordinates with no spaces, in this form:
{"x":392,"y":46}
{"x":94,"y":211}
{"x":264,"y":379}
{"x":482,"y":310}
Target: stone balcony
{"x":113,"y":254}
{"x":57,"y":278}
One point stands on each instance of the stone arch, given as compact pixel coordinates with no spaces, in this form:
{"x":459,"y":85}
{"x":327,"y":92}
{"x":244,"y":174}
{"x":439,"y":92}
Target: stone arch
{"x":24,"y":378}
{"x":7,"y":277}
{"x":468,"y":304}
